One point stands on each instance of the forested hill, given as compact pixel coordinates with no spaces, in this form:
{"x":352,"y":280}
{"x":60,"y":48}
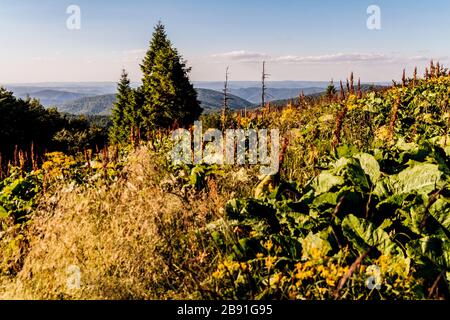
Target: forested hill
{"x":212,"y":100}
{"x":97,"y":105}
{"x":101,"y":105}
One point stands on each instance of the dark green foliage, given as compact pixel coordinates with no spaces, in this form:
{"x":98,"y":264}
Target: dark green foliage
{"x":331,"y":89}
{"x":166,"y":97}
{"x":122,"y":112}
{"x":27,"y":122}
{"x":81,"y":132}
{"x":169,"y":96}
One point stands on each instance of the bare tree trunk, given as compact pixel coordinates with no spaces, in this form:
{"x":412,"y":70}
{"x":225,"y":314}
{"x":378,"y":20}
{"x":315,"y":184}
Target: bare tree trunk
{"x":263,"y":87}
{"x":225,"y":100}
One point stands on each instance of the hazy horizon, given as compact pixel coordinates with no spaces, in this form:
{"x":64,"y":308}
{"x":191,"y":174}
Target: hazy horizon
{"x":49,"y":83}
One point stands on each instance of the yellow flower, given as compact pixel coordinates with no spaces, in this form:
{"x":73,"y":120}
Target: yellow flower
{"x":47,"y":165}
{"x":270,"y":262}
{"x":268,"y":245}
{"x":276,"y":279}
{"x":330,"y":282}
{"x":217,"y":274}
{"x":352,"y":102}
{"x":287,"y":115}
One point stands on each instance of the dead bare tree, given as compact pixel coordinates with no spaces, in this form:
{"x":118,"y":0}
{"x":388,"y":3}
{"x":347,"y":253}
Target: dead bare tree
{"x":225,"y":107}
{"x":263,"y":86}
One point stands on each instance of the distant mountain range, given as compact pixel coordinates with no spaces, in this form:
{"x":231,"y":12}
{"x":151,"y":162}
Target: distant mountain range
{"x":50,"y":97}
{"x":218,"y":85}
{"x":101,"y":105}
{"x":212,"y":100}
{"x":253,"y":94}
{"x":97,"y":98}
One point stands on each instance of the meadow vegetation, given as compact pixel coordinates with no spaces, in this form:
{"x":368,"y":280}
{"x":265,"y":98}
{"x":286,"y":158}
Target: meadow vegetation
{"x":359,"y":210}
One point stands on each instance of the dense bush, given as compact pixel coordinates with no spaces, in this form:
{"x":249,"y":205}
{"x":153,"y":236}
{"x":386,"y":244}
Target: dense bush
{"x":26,"y":124}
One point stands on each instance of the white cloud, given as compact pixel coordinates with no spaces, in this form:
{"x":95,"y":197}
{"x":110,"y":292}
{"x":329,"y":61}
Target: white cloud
{"x":337,"y":58}
{"x":241,"y":56}
{"x":334,"y":58}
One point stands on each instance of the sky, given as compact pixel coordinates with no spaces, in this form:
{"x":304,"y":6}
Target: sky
{"x":298,"y":39}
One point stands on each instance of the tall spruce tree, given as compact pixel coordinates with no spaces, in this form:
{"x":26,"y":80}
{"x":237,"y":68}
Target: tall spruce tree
{"x":122,"y":117}
{"x":168,"y":95}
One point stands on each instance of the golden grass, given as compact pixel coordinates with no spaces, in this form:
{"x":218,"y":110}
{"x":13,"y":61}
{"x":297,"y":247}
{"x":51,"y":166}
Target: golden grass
{"x":130,"y":240}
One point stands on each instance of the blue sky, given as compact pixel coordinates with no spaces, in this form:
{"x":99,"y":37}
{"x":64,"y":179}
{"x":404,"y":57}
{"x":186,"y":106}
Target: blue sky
{"x":299,"y":39}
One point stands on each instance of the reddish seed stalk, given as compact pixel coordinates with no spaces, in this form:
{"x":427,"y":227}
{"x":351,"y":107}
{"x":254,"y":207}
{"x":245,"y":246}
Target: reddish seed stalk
{"x":404,"y":78}
{"x":352,"y":88}
{"x":342,"y":93}
{"x":338,"y":128}
{"x":394,"y":119}
{"x":359,"y":89}
{"x":415,"y":76}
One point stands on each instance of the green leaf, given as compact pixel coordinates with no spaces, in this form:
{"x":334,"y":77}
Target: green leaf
{"x":364,"y":235}
{"x":326,"y":181}
{"x":436,"y":250}
{"x":3,"y":212}
{"x":412,"y":151}
{"x":382,"y":188}
{"x":440,"y":210}
{"x":350,"y":169}
{"x":370,"y":166}
{"x":346,"y":150}
{"x":420,"y":177}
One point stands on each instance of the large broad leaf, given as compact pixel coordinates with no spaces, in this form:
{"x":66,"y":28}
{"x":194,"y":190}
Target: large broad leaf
{"x":325,"y":181}
{"x":413,"y":213}
{"x":351,"y":170}
{"x":434,"y":249}
{"x":420,"y":177}
{"x":412,"y":151}
{"x":245,"y":209}
{"x":370,"y":166}
{"x":326,"y":200}
{"x":382,"y":188}
{"x":440,"y":210}
{"x":364,"y":235}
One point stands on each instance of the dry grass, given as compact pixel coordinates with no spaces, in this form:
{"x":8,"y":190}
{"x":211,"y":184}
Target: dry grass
{"x":130,"y":240}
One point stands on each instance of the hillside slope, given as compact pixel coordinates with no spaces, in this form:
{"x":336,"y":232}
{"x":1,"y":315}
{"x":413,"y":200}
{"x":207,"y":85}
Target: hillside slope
{"x":253,"y":94}
{"x":102,"y":105}
{"x":212,"y":100}
{"x":51,"y":98}
{"x":97,"y":105}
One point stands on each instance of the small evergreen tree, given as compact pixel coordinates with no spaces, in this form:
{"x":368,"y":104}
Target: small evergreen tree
{"x":331,"y":90}
{"x":122,"y":118}
{"x":168,"y":95}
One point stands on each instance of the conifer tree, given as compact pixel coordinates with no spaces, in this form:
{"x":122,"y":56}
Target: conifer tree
{"x":168,"y":95}
{"x":122,"y":118}
{"x":331,"y":90}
